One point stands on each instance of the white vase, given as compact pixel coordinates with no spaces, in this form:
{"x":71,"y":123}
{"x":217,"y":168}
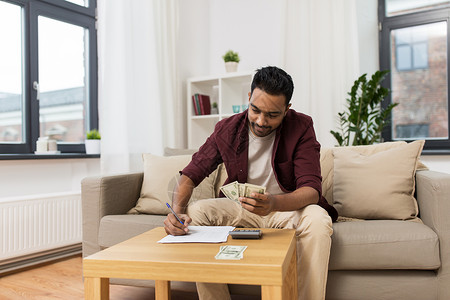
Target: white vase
{"x":92,"y":146}
{"x":231,"y":66}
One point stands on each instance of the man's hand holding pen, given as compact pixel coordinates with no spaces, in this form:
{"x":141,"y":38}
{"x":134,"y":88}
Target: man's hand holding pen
{"x":176,"y":224}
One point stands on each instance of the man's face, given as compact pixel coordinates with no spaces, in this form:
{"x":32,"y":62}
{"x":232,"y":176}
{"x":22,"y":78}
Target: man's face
{"x":265,"y":112}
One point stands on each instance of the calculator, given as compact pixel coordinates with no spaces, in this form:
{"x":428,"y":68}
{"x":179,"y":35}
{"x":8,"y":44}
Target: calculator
{"x":246,"y":234}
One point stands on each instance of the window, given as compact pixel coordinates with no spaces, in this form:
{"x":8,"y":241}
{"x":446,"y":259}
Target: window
{"x":411,"y":46}
{"x":48,"y":74}
{"x":414,"y":46}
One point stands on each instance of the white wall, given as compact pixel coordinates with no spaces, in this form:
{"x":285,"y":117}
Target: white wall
{"x":23,"y":178}
{"x":253,"y":28}
{"x":440,"y":163}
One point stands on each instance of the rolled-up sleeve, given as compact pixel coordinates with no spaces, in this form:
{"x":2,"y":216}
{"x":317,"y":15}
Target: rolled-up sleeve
{"x":304,"y":156}
{"x":205,"y":161}
{"x":307,"y":161}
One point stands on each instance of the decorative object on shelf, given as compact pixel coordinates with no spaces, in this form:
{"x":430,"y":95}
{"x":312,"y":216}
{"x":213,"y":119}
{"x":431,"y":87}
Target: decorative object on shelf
{"x":46,"y":146}
{"x":92,"y":142}
{"x":364,"y":119}
{"x":236,"y":108}
{"x":214,"y":108}
{"x":202,"y":104}
{"x":244,"y":107}
{"x":231,"y":60}
{"x":42,"y":144}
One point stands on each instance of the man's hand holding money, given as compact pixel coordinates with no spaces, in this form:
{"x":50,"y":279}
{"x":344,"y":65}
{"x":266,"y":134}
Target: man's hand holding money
{"x":260,"y":204}
{"x":250,"y":196}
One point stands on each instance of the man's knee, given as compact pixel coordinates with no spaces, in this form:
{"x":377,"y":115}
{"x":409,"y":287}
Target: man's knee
{"x":315,"y":219}
{"x":216,"y":212}
{"x":199,"y":211}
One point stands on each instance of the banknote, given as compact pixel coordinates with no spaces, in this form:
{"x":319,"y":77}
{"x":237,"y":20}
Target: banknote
{"x":241,"y":187}
{"x":251,"y":188}
{"x":231,"y":191}
{"x":231,"y":252}
{"x":234,"y":190}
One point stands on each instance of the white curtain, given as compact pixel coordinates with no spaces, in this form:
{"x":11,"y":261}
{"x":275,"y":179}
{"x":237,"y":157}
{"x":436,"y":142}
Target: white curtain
{"x":137,"y":80}
{"x":321,"y":54}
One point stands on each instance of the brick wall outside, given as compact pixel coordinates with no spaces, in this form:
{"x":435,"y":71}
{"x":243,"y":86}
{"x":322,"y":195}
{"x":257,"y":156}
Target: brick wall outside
{"x":422,"y":93}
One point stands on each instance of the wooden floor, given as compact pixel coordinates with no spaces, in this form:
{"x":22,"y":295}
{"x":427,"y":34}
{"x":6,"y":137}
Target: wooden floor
{"x":63,"y":280}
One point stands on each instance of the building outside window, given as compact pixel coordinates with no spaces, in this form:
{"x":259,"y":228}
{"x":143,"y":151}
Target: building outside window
{"x":414,"y":47}
{"x":411,"y":48}
{"x":48,"y":74}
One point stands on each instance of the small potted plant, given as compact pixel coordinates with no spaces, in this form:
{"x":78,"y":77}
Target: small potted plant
{"x":214,"y":109}
{"x":231,"y":60}
{"x":92,"y":142}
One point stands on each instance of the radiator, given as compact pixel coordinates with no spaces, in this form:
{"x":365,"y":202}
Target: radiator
{"x":38,"y":224}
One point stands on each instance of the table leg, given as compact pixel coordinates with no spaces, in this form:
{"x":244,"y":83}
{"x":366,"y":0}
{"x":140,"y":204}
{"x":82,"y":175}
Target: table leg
{"x":96,"y":288}
{"x":290,"y":281}
{"x":269,"y":292}
{"x":289,"y":288}
{"x":162,"y":290}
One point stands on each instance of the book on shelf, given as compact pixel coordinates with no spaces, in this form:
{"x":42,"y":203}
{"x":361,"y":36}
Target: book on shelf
{"x":205,"y":104}
{"x":202,"y":104}
{"x":196,"y":104}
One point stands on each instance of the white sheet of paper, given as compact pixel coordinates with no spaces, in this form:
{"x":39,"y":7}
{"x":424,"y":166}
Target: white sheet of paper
{"x":200,"y":234}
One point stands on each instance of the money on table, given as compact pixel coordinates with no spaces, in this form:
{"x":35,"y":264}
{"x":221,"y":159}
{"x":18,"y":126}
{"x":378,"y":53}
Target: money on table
{"x":234,"y":190}
{"x":231,"y":252}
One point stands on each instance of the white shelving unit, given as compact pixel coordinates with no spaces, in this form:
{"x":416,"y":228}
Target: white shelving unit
{"x":226,"y":90}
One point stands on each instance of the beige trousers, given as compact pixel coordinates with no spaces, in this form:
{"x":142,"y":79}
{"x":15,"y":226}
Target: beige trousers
{"x":313,"y":230}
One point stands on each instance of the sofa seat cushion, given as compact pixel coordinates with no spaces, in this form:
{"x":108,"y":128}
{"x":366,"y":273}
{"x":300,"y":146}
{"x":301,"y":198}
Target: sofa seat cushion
{"x":383,"y":245}
{"x":118,"y":228}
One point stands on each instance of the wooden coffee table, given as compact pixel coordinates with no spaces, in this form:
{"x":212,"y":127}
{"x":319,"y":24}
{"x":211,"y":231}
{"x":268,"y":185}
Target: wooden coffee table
{"x":270,"y":262}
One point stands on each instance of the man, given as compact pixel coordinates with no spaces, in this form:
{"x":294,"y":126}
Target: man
{"x":269,"y":145}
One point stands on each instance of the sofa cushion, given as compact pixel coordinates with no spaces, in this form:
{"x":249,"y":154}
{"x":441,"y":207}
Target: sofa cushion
{"x":327,"y":162}
{"x":178,"y":151}
{"x":376,"y":186}
{"x":326,"y":167}
{"x":383,"y":244}
{"x":160,"y":177}
{"x":118,"y":228}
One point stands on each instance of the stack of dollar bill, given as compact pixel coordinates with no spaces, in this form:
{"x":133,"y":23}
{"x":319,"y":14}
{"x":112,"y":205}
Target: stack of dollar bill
{"x":234,"y":190}
{"x":231,"y":252}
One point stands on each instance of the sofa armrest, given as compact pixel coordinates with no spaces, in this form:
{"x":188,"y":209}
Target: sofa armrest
{"x":106,"y":195}
{"x":433,"y":192}
{"x":433,"y":197}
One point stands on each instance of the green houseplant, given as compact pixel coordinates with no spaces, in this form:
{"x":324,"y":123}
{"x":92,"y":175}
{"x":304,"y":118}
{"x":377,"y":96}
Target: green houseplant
{"x":364,"y":119}
{"x":92,"y":142}
{"x":93,"y":135}
{"x":231,"y":60}
{"x":230,"y":55}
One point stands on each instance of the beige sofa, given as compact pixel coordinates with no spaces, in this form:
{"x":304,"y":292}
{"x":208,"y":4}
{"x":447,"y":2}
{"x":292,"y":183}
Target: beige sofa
{"x":370,"y":259}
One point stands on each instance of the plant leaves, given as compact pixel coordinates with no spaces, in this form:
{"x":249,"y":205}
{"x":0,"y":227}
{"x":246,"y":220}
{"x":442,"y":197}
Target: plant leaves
{"x":364,"y":116}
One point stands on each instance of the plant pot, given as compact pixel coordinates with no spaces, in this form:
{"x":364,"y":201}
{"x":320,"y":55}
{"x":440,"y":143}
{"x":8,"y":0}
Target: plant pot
{"x":92,"y":146}
{"x":231,"y":66}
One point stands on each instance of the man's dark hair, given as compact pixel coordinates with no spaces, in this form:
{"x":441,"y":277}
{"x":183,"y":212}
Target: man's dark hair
{"x":273,"y":81}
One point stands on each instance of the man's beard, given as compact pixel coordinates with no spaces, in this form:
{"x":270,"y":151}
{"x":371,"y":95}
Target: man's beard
{"x":260,"y":131}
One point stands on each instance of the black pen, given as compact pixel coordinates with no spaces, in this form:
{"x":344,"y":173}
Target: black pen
{"x":168,"y":205}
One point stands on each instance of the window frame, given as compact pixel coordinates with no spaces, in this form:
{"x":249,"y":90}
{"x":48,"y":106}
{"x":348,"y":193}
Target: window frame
{"x":386,"y":24}
{"x":66,"y":12}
